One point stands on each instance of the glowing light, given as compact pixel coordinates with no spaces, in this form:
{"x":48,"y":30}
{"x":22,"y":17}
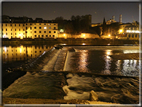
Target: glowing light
{"x":61,"y":30}
{"x":109,"y":35}
{"x":132,"y":31}
{"x":83,"y":43}
{"x":4,"y":36}
{"x":121,"y":30}
{"x":45,"y":27}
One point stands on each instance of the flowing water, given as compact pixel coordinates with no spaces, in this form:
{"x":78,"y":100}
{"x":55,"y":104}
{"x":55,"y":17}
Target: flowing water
{"x":99,"y":61}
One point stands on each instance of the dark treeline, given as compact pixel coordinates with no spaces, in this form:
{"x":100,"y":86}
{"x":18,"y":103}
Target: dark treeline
{"x":82,"y":24}
{"x":76,"y":25}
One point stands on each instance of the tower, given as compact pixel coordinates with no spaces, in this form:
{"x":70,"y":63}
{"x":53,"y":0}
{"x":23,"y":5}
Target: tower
{"x":120,"y":18}
{"x":113,"y":17}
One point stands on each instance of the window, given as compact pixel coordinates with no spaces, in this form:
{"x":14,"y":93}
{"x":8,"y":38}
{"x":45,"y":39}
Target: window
{"x":44,"y":31}
{"x":53,"y":35}
{"x":42,"y":35}
{"x":35,"y":36}
{"x":11,"y":29}
{"x":54,"y":31}
{"x":15,"y":33}
{"x":132,"y":35}
{"x":39,"y":23}
{"x":39,"y":27}
{"x":39,"y":31}
{"x":49,"y":35}
{"x":54,"y":27}
{"x":34,"y":31}
{"x":23,"y":24}
{"x":19,"y":29}
{"x":11,"y":33}
{"x":54,"y":24}
{"x":49,"y":27}
{"x":5,"y":24}
{"x":129,"y":35}
{"x":35,"y":27}
{"x":35,"y":51}
{"x":6,"y":29}
{"x":44,"y":23}
{"x":15,"y":29}
{"x":49,"y":31}
{"x":136,"y":35}
{"x":30,"y":28}
{"x":30,"y":23}
{"x":26,"y":27}
{"x":46,"y":35}
{"x":15,"y":24}
{"x":10,"y":24}
{"x":39,"y":36}
{"x":19,"y":24}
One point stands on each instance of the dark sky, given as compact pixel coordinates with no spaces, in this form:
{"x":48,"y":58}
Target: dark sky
{"x":49,"y":11}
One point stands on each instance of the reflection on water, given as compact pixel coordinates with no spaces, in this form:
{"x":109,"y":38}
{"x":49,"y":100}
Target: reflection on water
{"x":83,"y":61}
{"x":99,"y":61}
{"x":21,"y":53}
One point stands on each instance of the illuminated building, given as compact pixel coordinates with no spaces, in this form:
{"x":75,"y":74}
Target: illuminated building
{"x":24,"y":27}
{"x":129,"y":31}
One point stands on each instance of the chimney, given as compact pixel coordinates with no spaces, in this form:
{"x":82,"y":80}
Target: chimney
{"x":113,"y":17}
{"x":120,"y":18}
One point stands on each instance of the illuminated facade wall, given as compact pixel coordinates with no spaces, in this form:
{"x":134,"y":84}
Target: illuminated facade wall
{"x":82,"y":35}
{"x":130,"y":32}
{"x":29,"y":30}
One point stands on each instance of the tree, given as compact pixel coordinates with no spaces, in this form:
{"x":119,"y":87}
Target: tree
{"x":104,"y":27}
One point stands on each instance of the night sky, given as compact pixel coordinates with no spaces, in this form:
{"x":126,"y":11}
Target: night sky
{"x":49,"y":11}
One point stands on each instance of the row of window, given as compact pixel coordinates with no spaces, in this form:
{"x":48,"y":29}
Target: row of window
{"x":133,"y":35}
{"x":29,"y":24}
{"x":132,"y":28}
{"x":30,"y":32}
{"x":44,"y":36}
{"x":31,"y":28}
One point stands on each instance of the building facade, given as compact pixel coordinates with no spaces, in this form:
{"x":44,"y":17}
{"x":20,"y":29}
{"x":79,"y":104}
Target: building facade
{"x":24,"y":27}
{"x":29,"y":30}
{"x":129,"y":31}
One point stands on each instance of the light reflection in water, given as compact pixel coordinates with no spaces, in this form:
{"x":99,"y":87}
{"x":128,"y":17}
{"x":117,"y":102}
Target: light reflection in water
{"x":130,"y":67}
{"x":107,"y":59}
{"x":83,"y":61}
{"x":20,"y":53}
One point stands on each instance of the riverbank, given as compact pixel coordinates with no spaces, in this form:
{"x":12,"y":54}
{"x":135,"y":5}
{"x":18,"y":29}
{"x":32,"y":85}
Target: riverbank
{"x":69,"y":41}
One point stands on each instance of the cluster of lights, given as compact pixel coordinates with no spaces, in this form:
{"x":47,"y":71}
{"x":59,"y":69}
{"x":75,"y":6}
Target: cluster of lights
{"x":132,"y":31}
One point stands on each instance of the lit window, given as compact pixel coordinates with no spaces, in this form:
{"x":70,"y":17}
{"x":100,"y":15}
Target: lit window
{"x":45,"y":27}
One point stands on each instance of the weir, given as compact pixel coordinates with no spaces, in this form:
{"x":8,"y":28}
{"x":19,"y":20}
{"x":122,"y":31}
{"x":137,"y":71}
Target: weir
{"x":48,"y":78}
